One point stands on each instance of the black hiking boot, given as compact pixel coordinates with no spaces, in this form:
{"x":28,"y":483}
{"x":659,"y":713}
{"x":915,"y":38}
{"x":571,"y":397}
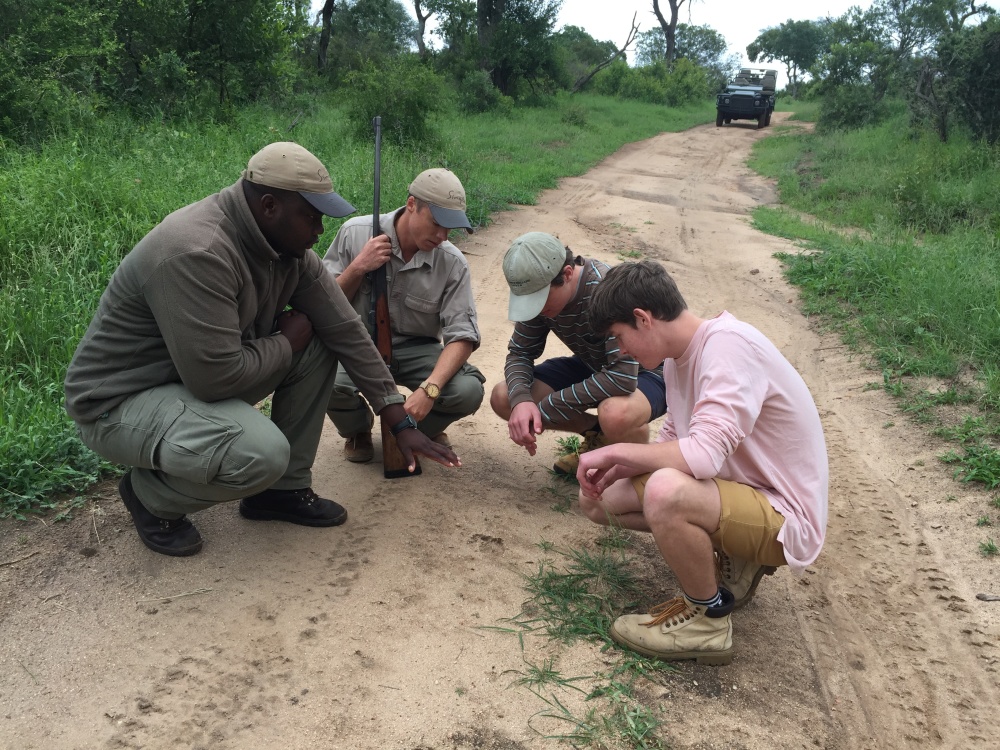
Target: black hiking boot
{"x":303,"y":507}
{"x":176,"y":537}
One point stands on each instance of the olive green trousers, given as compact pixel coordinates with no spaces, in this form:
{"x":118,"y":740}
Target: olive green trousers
{"x":189,"y":454}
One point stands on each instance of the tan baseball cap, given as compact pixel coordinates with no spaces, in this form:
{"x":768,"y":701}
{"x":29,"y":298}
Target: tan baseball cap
{"x":443,"y":192}
{"x":530,"y":265}
{"x":288,"y":166}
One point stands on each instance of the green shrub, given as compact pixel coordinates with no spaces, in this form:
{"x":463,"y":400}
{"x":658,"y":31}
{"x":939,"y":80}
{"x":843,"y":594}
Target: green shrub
{"x":851,"y":106}
{"x":574,"y":114}
{"x":970,"y":59}
{"x":685,"y":83}
{"x":609,"y":81}
{"x":403,"y":91}
{"x":476,"y":93}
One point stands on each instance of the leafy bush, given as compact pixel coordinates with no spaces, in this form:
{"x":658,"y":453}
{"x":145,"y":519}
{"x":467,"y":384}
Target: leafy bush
{"x":51,"y":54}
{"x":640,"y":86}
{"x":971,"y":62}
{"x":851,"y":106}
{"x":574,"y":114}
{"x":476,"y":93}
{"x":684,"y":83}
{"x":609,"y":81}
{"x":403,"y":91}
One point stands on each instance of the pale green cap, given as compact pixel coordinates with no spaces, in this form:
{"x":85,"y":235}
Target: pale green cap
{"x":530,"y":265}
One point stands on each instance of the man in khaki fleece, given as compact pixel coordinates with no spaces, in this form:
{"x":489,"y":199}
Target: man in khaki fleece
{"x":193,"y":330}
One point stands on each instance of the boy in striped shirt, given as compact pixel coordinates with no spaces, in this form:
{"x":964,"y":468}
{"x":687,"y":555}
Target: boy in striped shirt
{"x":550,"y":290}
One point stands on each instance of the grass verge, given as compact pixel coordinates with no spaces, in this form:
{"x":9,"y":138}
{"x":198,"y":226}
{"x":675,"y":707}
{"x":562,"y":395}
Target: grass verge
{"x":899,"y":252}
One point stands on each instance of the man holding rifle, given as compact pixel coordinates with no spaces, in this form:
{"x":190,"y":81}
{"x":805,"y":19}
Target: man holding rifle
{"x":432,"y":313}
{"x":193,"y":330}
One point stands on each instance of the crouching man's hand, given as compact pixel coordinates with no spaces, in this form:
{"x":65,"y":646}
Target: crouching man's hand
{"x":412,"y":442}
{"x":524,"y":424}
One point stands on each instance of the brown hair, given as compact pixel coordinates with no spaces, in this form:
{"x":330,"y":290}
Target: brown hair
{"x":645,"y":285}
{"x":571,"y":260}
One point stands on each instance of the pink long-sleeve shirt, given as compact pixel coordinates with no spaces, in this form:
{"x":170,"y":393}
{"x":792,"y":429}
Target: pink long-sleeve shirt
{"x":741,"y":412}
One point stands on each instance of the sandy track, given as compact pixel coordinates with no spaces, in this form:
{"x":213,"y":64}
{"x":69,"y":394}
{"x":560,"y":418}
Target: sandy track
{"x":371,"y":635}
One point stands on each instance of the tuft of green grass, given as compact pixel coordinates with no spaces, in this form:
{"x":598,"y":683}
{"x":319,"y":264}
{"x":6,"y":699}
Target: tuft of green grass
{"x":976,"y":463}
{"x":984,"y":521}
{"x":576,"y":598}
{"x":989,"y":548}
{"x":567,"y":444}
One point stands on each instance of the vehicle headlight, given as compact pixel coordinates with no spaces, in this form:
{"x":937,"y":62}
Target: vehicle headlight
{"x":727,"y":100}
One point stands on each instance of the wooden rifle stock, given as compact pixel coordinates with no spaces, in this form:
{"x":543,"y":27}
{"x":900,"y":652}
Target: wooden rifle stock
{"x":394,"y":465}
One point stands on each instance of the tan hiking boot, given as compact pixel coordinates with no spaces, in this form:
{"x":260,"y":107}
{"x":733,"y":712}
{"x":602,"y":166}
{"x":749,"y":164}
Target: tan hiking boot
{"x":358,"y":449}
{"x":740,"y":576}
{"x":678,"y":630}
{"x":566,"y":465}
{"x":442,"y":439}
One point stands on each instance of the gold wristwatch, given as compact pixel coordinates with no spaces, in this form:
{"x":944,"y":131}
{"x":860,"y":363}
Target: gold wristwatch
{"x":430,"y":389}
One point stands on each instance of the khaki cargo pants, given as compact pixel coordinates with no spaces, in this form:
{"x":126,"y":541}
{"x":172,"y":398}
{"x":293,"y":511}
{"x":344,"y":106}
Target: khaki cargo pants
{"x":188,"y":454}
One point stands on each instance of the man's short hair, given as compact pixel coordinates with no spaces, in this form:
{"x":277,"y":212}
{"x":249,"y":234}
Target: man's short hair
{"x":645,"y":285}
{"x":571,"y":260}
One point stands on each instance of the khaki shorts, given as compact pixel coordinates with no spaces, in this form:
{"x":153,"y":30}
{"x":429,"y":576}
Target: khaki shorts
{"x":748,"y":527}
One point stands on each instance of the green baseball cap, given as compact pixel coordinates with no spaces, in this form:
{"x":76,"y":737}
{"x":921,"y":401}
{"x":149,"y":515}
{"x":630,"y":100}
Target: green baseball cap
{"x":530,"y":265}
{"x":289,"y":166}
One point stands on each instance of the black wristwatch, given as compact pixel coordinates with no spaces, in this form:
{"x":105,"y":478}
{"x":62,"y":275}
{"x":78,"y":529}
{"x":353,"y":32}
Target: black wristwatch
{"x":408,"y":423}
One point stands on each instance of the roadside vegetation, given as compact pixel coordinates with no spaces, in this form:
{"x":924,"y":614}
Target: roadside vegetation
{"x":898,"y":218}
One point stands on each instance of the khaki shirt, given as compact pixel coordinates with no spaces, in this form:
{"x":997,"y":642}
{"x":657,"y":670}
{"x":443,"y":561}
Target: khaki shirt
{"x":429,"y":297}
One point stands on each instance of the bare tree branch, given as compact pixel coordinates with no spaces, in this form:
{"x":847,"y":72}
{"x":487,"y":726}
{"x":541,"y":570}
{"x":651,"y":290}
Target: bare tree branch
{"x":584,"y":80}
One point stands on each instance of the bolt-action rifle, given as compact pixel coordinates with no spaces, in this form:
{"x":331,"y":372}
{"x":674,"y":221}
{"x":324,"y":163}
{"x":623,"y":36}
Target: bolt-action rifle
{"x":394,"y":465}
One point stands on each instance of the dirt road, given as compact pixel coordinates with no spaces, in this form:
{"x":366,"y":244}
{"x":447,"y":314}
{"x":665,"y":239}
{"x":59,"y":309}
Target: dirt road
{"x":371,"y":635}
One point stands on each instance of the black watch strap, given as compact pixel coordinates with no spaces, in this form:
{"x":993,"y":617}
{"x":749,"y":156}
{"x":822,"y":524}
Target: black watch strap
{"x":407,"y":423}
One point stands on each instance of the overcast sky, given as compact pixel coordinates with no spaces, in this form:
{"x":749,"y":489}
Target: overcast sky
{"x":739,"y":21}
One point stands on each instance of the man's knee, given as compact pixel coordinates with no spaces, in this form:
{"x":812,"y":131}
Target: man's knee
{"x":256,"y":459}
{"x":500,"y":400}
{"x":618,"y":415}
{"x":345,"y":399}
{"x":464,"y":395}
{"x":664,"y":494}
{"x":593,"y":509}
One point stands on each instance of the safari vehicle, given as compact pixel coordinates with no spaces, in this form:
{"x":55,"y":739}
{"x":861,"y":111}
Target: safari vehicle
{"x":750,"y":96}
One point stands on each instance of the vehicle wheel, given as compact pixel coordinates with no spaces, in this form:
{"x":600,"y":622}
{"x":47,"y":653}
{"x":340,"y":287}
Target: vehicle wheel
{"x":767,"y":120}
{"x":718,"y":119}
{"x":760,"y":122}
{"x":728,"y":120}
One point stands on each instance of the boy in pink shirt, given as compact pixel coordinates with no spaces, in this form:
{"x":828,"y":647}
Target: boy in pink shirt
{"x":736,"y":483}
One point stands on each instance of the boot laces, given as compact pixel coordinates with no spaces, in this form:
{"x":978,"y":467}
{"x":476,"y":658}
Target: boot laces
{"x":591,"y":440}
{"x":307,"y":496}
{"x":673,"y":612}
{"x":724,"y":565}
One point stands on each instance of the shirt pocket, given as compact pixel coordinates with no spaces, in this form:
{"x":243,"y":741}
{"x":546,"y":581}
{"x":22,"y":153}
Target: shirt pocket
{"x":422,"y":316}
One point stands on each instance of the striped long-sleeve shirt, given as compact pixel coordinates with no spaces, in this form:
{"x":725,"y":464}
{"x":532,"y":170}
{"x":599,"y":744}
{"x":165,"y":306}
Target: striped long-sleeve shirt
{"x":613,"y":375}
